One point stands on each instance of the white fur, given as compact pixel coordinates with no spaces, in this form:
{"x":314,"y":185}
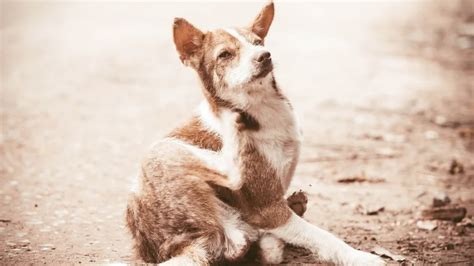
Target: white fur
{"x":209,"y":118}
{"x":299,"y":232}
{"x":238,"y":234}
{"x":243,"y":72}
{"x":271,"y":249}
{"x":236,"y":241}
{"x":179,"y":261}
{"x":224,"y":161}
{"x":225,"y":125}
{"x":217,"y":161}
{"x":193,"y":255}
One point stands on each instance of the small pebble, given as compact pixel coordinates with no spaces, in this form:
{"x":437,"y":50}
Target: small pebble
{"x":441,"y":199}
{"x":440,"y":120}
{"x":46,"y":247}
{"x":431,"y":135}
{"x":21,"y":234}
{"x":24,"y":242}
{"x":45,"y":229}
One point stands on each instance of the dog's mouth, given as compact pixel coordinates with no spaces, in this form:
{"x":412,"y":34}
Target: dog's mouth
{"x":265,"y":67}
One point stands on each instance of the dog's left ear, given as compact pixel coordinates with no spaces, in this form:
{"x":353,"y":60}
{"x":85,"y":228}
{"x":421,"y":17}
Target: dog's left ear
{"x":262,"y":22}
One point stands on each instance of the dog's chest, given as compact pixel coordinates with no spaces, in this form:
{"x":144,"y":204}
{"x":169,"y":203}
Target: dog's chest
{"x":279,"y":138}
{"x":272,"y":154}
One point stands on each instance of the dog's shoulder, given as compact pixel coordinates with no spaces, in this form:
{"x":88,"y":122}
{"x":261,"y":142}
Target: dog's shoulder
{"x":195,"y":132}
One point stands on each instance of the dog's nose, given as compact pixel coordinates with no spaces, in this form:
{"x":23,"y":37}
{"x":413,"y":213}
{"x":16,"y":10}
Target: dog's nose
{"x":263,"y":56}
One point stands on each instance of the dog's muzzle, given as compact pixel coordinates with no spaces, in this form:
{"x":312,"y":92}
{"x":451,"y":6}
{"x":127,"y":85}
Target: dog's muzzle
{"x":264,"y":65}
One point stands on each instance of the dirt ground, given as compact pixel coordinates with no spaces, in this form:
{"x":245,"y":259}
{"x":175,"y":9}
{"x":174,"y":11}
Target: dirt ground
{"x":383,"y":90}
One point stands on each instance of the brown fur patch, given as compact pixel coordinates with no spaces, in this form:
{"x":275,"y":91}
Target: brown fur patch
{"x":144,"y":249}
{"x":246,"y":121}
{"x":187,"y":38}
{"x":194,"y":133}
{"x":262,"y":22}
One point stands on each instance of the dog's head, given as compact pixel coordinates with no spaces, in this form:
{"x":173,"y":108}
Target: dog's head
{"x":230,"y":62}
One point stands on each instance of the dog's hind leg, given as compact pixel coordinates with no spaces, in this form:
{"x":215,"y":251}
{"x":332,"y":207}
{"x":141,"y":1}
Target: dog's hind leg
{"x":301,"y":233}
{"x":186,"y":233}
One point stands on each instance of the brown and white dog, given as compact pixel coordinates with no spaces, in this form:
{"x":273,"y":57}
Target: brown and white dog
{"x":217,"y":183}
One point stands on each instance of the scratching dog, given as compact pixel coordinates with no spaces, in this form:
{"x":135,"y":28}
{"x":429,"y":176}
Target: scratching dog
{"x":217,"y":184}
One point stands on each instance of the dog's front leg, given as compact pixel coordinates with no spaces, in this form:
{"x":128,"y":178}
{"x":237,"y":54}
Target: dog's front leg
{"x":226,"y":162}
{"x":301,"y":233}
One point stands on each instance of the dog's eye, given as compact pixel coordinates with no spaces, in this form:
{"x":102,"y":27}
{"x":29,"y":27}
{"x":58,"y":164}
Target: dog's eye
{"x":224,"y":55}
{"x":257,"y":42}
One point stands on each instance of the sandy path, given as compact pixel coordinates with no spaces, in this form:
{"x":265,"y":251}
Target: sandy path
{"x":87,"y":87}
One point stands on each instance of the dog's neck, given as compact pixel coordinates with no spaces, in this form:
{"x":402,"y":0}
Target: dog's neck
{"x":256,"y":103}
{"x":265,"y":120}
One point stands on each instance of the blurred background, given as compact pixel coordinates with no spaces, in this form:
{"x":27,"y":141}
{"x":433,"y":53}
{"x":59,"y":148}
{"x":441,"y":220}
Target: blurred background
{"x":383,"y":89}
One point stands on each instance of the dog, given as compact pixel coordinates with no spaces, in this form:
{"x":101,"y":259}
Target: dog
{"x":217,"y":184}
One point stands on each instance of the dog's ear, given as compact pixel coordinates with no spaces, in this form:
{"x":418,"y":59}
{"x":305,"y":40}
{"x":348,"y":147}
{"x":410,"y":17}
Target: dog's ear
{"x":188,"y":40}
{"x":262,"y":22}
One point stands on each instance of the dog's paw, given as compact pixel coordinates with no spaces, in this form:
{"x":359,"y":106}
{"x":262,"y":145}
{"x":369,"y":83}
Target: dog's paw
{"x":271,"y":249}
{"x":237,"y":245}
{"x":361,"y":258}
{"x":297,"y":202}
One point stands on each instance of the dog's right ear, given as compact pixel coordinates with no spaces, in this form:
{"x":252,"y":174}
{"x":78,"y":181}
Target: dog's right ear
{"x":188,"y":40}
